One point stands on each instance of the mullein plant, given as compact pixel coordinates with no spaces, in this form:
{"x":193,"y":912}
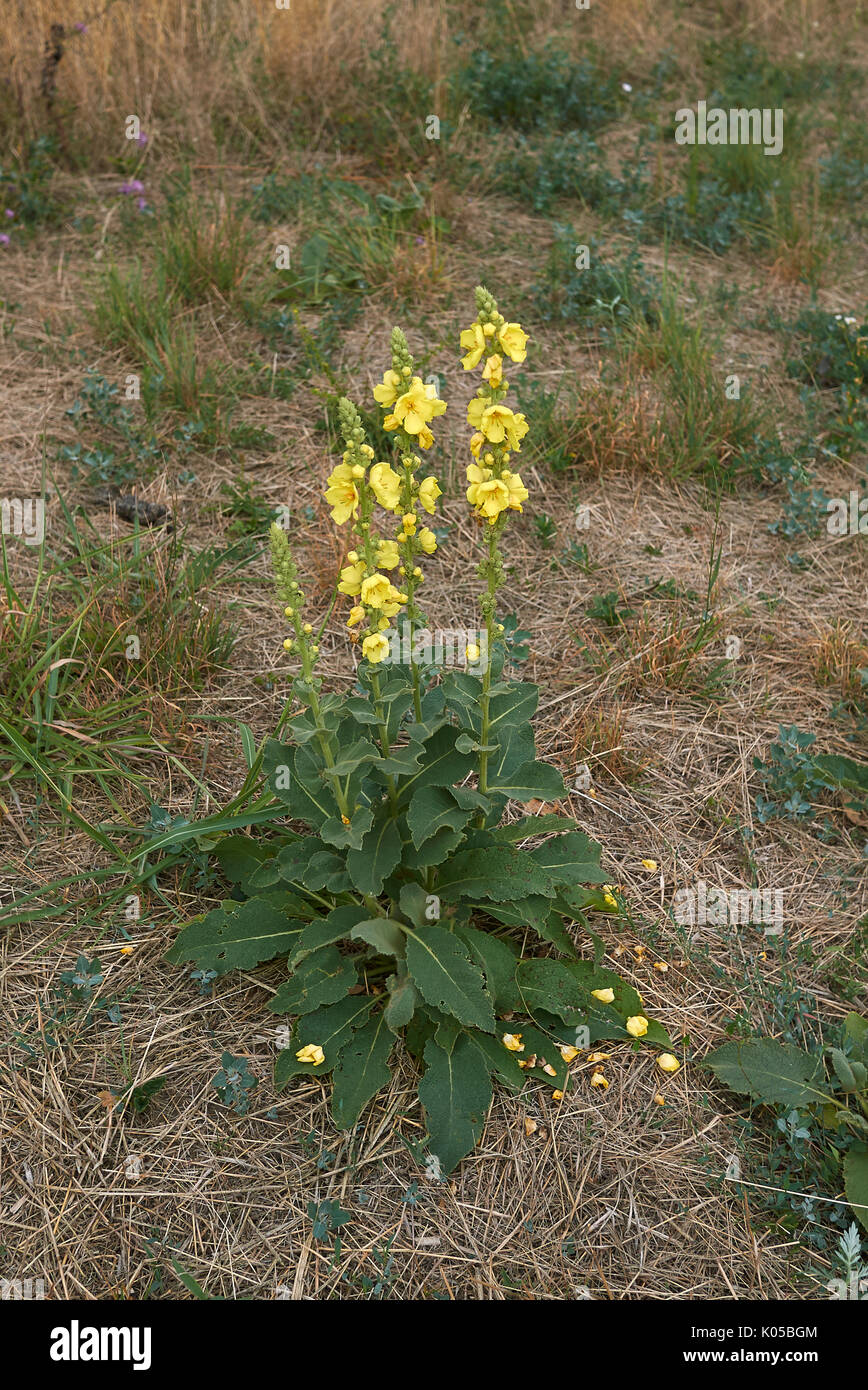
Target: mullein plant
{"x":415,"y":907}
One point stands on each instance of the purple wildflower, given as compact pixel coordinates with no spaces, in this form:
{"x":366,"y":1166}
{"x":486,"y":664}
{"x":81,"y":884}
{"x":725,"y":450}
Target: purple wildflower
{"x":9,"y":213}
{"x":141,"y":204}
{"x":141,"y":139}
{"x":132,"y":186}
{"x":4,"y":239}
{"x":80,"y":28}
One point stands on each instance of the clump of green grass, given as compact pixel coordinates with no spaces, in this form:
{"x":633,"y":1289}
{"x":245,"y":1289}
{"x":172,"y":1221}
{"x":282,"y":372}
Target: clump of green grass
{"x":96,"y":647}
{"x":605,"y":293}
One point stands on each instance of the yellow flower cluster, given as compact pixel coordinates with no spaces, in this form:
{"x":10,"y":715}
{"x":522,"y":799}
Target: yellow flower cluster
{"x":411,"y":404}
{"x":493,"y":488}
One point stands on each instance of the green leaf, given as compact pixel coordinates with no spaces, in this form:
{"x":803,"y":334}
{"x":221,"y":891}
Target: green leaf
{"x":533,"y":825}
{"x":535,"y":912}
{"x":529,"y":781}
{"x":384,"y":935}
{"x":433,"y":809}
{"x":357,"y":754}
{"x":456,"y":1092}
{"x":550,"y":985}
{"x":772,"y":1072}
{"x":329,"y":1028}
{"x":571,"y":858}
{"x":321,"y":979}
{"x":305,"y":795}
{"x":239,"y":857}
{"x":348,"y":836}
{"x":498,"y":959}
{"x":378,"y":855}
{"x":362,"y":1071}
{"x":446,"y":977}
{"x":547,"y":1052}
{"x":337,"y":925}
{"x":501,"y":873}
{"x":248,"y":744}
{"x":500,"y":1062}
{"x":843,"y":772}
{"x":253,"y":931}
{"x":441,"y":764}
{"x":328,"y":870}
{"x":856,"y":1181}
{"x":403,"y":999}
{"x":434,"y":851}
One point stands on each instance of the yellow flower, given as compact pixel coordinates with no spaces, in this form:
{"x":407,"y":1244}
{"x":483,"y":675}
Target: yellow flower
{"x":376,"y":591}
{"x":473,"y":341}
{"x":408,"y":522}
{"x":476,"y":442}
{"x":472,"y":651}
{"x":557,"y":1095}
{"x":342,"y":494}
{"x":512,"y":1042}
{"x":569,"y":1054}
{"x":666,"y":1062}
{"x":611,"y":902}
{"x":518,"y":493}
{"x":513,"y":340}
{"x":491,"y":498}
{"x":492,"y":371}
{"x":659,"y":1100}
{"x":356,"y":616}
{"x":311,"y":1053}
{"x":388,"y":555}
{"x":605,"y":996}
{"x":387,"y":393}
{"x":637,"y":1026}
{"x":376,"y":647}
{"x":351,"y":579}
{"x":427,"y":540}
{"x":599,"y":1080}
{"x":429,"y":491}
{"x":476,"y":474}
{"x":497,"y":422}
{"x":650,"y":865}
{"x":425,"y":438}
{"x":418,"y":406}
{"x":386,"y":486}
{"x":127,"y":950}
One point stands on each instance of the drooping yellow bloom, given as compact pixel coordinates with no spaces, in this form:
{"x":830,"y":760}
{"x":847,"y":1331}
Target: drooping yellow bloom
{"x":666,"y":1062}
{"x":385,"y":484}
{"x":388,"y":555}
{"x":387,"y":393}
{"x":513,"y":340}
{"x":356,"y":615}
{"x":637,"y":1026}
{"x":429,"y":491}
{"x":311,"y":1053}
{"x":497,"y":422}
{"x":427,"y":540}
{"x":476,"y":442}
{"x":473,"y":341}
{"x":351,"y":579}
{"x":512,"y":1042}
{"x":518,"y":493}
{"x":490,"y":498}
{"x":605,"y":996}
{"x":377,"y":590}
{"x":342,"y":494}
{"x":417,"y":407}
{"x":492,"y":372}
{"x":375,"y":647}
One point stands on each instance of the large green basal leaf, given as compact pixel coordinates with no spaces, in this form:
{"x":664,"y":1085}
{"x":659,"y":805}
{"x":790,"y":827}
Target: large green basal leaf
{"x":329,"y":1028}
{"x":526,"y":826}
{"x":441,"y":968}
{"x":550,"y":986}
{"x":379,"y":854}
{"x":529,"y":781}
{"x":772,"y":1072}
{"x":535,"y":912}
{"x":322,"y":978}
{"x":335,"y":926}
{"x":238,"y":936}
{"x":456,"y":1092}
{"x":362,"y":1071}
{"x":499,"y":1060}
{"x":433,"y":809}
{"x":856,"y":1181}
{"x":571,"y":858}
{"x":441,"y":764}
{"x":499,"y":872}
{"x":840,"y":771}
{"x":498,"y":960}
